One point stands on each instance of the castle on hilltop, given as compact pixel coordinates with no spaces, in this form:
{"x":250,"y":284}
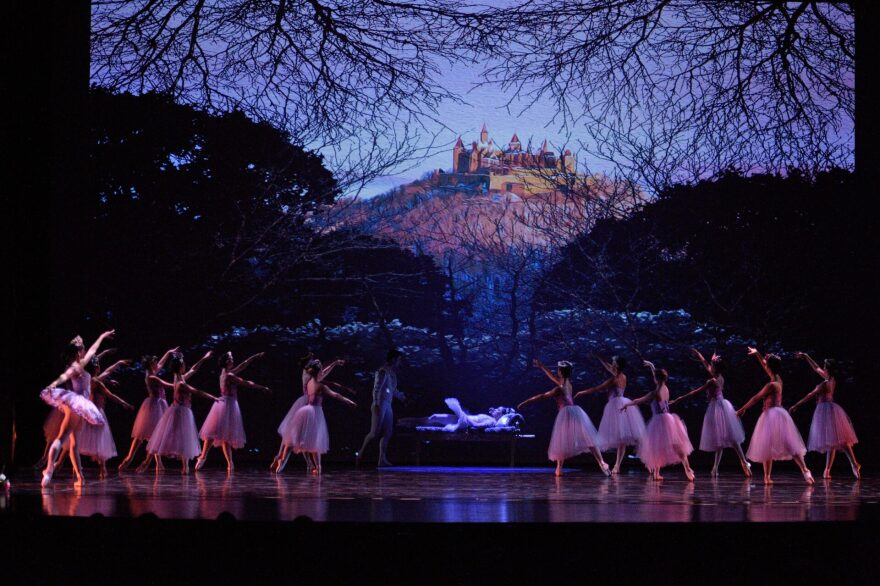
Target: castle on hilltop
{"x":511,"y":168}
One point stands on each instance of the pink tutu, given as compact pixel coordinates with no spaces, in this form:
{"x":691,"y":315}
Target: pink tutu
{"x":831,"y":428}
{"x":620,"y":428}
{"x":775,"y":437}
{"x":308,"y":431}
{"x":721,"y":427}
{"x":176,"y":434}
{"x":288,"y":419}
{"x":58,"y":397}
{"x":573,"y":434}
{"x":665,"y":441}
{"x":224,"y":424}
{"x":97,"y":441}
{"x":148,"y":416}
{"x":52,"y":424}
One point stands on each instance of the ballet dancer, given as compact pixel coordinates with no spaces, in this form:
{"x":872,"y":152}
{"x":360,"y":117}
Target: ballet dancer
{"x":97,"y":440}
{"x":617,"y":428}
{"x":721,"y":427}
{"x":382,"y":416}
{"x":573,"y":432}
{"x":151,"y":410}
{"x":666,"y":439}
{"x":284,"y":426}
{"x":831,"y":428}
{"x":75,"y":403}
{"x":775,"y":436}
{"x":308,"y":433}
{"x":224,"y":425}
{"x":176,"y":434}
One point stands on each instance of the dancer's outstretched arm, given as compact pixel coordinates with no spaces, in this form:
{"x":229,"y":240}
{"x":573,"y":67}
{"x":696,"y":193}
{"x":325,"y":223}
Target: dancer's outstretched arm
{"x":327,"y":369}
{"x":195,"y":367}
{"x":650,"y":366}
{"x":201,"y":393}
{"x":818,"y":369}
{"x":116,"y":399}
{"x":598,"y":388}
{"x":605,"y":364}
{"x":162,"y":382}
{"x":754,"y":352}
{"x":646,"y":398}
{"x":246,"y":383}
{"x":90,"y":353}
{"x":166,"y":356}
{"x":819,"y":388}
{"x":709,"y":384}
{"x":696,"y":354}
{"x":338,"y":397}
{"x":106,"y":372}
{"x":548,"y":395}
{"x":556,"y":380}
{"x":758,"y":396}
{"x":246,"y":362}
{"x":341,"y":386}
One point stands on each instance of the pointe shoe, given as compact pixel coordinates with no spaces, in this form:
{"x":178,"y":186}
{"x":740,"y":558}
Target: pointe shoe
{"x":767,"y":481}
{"x":747,"y":469}
{"x":857,"y":471}
{"x":199,"y":464}
{"x":80,"y":481}
{"x":606,"y":469}
{"x":615,"y":470}
{"x":826,"y":473}
{"x":808,"y":476}
{"x":47,"y":479}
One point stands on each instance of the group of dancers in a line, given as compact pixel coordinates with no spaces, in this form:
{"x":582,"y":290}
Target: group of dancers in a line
{"x":664,"y":441}
{"x":78,"y":424}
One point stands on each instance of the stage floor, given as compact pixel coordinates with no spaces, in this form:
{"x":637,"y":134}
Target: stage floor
{"x":447,"y":494}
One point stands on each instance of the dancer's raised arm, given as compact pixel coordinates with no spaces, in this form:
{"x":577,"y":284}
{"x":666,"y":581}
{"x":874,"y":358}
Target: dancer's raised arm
{"x":819,"y":389}
{"x":606,"y":365}
{"x":556,"y":380}
{"x":106,"y":372}
{"x":166,"y":356}
{"x":246,"y":362}
{"x":548,"y":395}
{"x":761,"y":360}
{"x":195,"y":367}
{"x":818,"y":369}
{"x":327,"y":369}
{"x":87,"y":357}
{"x":246,"y":383}
{"x":162,"y":382}
{"x":699,"y":356}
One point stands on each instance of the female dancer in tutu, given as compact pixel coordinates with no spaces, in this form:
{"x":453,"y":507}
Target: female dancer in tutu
{"x":831,"y":429}
{"x":618,"y":428}
{"x":176,"y":434}
{"x":721,"y":427}
{"x":224,"y":425}
{"x":573,"y":432}
{"x":94,"y":440}
{"x":75,"y":404}
{"x":775,"y":436}
{"x":151,"y":410}
{"x":302,"y":400}
{"x":308,"y":431}
{"x":666,"y":439}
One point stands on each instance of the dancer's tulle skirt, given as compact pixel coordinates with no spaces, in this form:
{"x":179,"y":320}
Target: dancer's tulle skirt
{"x":831,"y":428}
{"x":288,"y":419}
{"x":176,"y":434}
{"x":620,"y":428}
{"x":665,"y":441}
{"x":308,"y":431}
{"x":150,"y":412}
{"x":224,"y":423}
{"x":97,"y":441}
{"x":775,"y":437}
{"x":573,"y":433}
{"x":58,"y":397}
{"x":721,"y":427}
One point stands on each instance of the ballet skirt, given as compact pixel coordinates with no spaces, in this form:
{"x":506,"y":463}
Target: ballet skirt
{"x":176,"y":434}
{"x":666,"y":438}
{"x":224,"y":422}
{"x":831,"y":428}
{"x":150,"y":412}
{"x":722,"y":428}
{"x":77,"y":398}
{"x":619,"y":428}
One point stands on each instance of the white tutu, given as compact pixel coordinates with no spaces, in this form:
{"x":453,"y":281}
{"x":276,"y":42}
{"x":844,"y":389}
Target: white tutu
{"x":308,"y":431}
{"x":52,"y":424}
{"x":148,"y":416}
{"x":665,"y":441}
{"x":831,"y":428}
{"x":58,"y":397}
{"x":775,"y":437}
{"x":224,"y":424}
{"x":97,"y":441}
{"x":721,"y":427}
{"x":620,"y":428}
{"x":176,"y":434}
{"x":573,"y":434}
{"x":288,"y":419}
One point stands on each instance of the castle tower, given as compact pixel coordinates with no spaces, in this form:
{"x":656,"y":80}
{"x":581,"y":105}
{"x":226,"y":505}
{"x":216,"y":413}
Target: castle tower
{"x":456,"y":153}
{"x":484,"y":134}
{"x":515,"y":144}
{"x":475,"y":158}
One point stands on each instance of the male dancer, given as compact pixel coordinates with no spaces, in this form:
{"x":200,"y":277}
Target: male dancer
{"x":382,"y":422}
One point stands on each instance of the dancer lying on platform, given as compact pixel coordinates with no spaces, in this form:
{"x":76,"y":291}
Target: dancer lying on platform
{"x":775,"y":436}
{"x":176,"y":434}
{"x":831,"y":428}
{"x":224,"y":425}
{"x":302,"y":400}
{"x":382,"y":415}
{"x":75,"y":403}
{"x":151,"y":410}
{"x":617,"y":429}
{"x":721,"y":427}
{"x":308,"y":433}
{"x":573,"y":432}
{"x":666,"y":439}
{"x":97,"y":440}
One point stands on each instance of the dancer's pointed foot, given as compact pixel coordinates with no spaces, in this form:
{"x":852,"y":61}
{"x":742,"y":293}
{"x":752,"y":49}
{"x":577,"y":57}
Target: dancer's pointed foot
{"x":826,"y":473}
{"x":606,"y":469}
{"x":143,"y":467}
{"x":80,"y":481}
{"x":657,"y":476}
{"x":768,"y":481}
{"x":615,"y":470}
{"x":747,"y":469}
{"x":808,"y":476}
{"x":690,"y":474}
{"x":124,"y":464}
{"x":47,"y":479}
{"x":857,"y":470}
{"x":199,"y":464}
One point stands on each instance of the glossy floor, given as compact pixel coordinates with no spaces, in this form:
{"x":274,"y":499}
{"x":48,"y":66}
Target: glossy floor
{"x":446,"y":494}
